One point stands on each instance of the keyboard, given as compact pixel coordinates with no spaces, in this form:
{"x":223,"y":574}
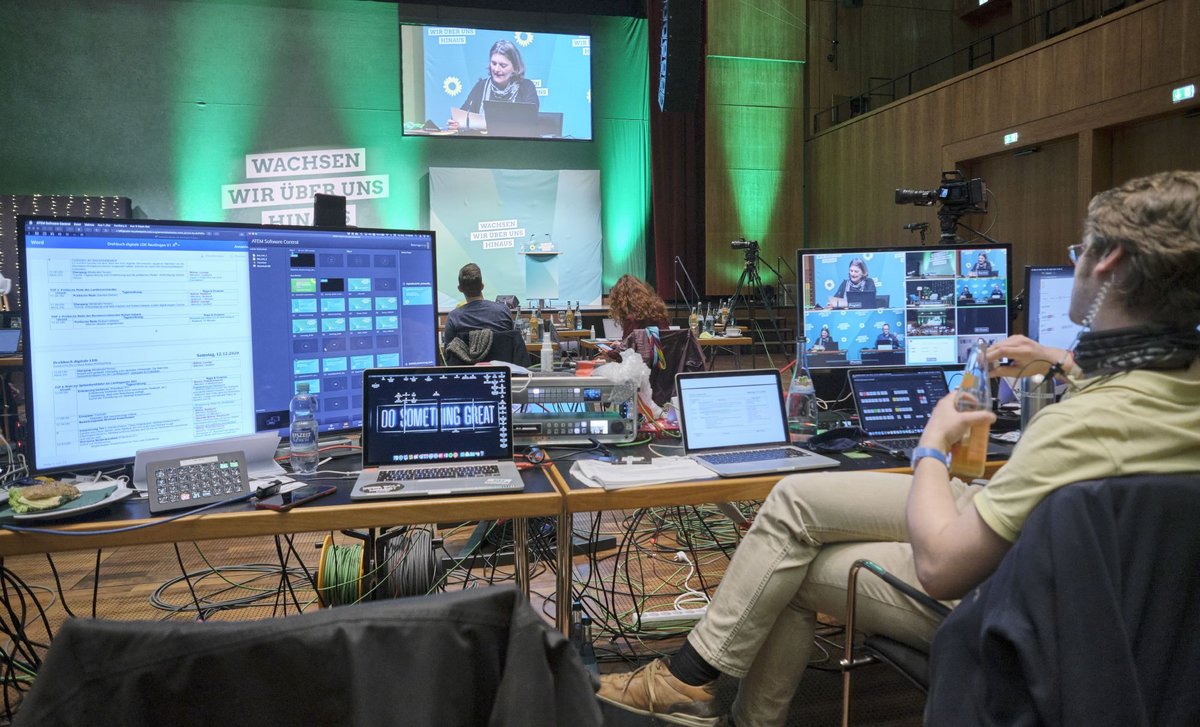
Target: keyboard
{"x":176,"y":484}
{"x":899,"y":442}
{"x":752,"y":455}
{"x":437,"y":473}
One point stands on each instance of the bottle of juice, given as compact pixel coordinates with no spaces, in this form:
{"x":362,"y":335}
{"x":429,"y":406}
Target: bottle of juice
{"x":968,"y":456}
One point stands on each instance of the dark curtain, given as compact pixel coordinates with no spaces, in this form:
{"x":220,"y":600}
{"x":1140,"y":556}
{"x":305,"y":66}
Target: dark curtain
{"x":677,"y":180}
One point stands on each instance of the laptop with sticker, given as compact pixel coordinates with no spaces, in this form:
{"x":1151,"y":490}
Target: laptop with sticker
{"x":430,"y":431}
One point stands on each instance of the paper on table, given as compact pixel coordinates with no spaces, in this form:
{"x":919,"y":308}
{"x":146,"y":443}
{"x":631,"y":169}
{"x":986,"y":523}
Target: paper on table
{"x":595,"y":473}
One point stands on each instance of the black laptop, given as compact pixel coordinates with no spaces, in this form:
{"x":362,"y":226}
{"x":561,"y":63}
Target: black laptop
{"x":436,"y":431}
{"x":894,"y":404}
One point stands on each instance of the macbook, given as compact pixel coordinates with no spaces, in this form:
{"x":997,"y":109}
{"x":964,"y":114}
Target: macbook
{"x":894,"y":404}
{"x":857,"y":299}
{"x":506,"y":118}
{"x":436,"y":431}
{"x":734,"y":424}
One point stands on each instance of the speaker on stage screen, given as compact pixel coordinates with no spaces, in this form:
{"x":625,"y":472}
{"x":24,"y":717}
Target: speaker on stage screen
{"x":680,"y":55}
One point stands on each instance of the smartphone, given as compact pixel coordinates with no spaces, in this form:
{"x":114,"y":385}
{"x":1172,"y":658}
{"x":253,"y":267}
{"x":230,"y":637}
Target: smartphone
{"x":298,"y":496}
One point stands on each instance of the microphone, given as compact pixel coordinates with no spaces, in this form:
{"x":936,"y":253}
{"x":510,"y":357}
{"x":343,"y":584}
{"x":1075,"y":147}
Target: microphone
{"x":917,"y":226}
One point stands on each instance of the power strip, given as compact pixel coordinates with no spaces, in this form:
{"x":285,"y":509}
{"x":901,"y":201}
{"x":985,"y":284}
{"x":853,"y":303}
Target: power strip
{"x":674,"y":617}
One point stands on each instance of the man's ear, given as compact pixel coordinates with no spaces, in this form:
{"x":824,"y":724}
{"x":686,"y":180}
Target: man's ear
{"x":1110,"y":260}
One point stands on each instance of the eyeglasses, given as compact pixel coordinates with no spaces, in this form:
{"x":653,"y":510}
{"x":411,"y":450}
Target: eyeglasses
{"x":1076,"y":251}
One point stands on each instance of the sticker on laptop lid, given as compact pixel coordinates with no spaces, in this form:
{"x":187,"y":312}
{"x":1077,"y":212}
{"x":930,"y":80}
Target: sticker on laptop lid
{"x":498,"y":481}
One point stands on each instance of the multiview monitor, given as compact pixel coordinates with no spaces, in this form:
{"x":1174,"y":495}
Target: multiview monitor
{"x":488,"y":83}
{"x":902,"y":306}
{"x":1048,"y":305}
{"x":143,"y":333}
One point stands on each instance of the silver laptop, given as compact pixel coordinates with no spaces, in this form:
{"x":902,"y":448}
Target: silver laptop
{"x":506,"y":118}
{"x":436,"y":431}
{"x":894,"y":404}
{"x":734,"y":424}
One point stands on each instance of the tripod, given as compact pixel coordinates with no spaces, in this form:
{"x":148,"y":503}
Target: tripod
{"x":751,"y":279}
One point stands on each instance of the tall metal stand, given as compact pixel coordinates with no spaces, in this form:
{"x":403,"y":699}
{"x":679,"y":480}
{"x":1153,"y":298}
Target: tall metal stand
{"x":750,"y":289}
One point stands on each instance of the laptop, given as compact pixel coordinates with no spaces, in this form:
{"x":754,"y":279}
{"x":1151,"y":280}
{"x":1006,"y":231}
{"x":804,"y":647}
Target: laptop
{"x":430,"y":431}
{"x":511,"y":119}
{"x":859,"y":299}
{"x":733,"y":423}
{"x":10,"y":341}
{"x":894,"y":405}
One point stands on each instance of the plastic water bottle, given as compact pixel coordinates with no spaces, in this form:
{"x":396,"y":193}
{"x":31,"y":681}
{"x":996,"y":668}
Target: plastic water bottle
{"x":801,"y":399}
{"x":302,"y":432}
{"x":547,"y":353}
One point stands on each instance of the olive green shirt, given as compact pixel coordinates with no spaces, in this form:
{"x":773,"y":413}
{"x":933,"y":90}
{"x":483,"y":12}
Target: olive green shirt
{"x":1137,"y":422}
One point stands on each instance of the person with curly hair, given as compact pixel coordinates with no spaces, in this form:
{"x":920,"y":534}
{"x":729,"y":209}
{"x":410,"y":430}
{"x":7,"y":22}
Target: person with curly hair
{"x":634,"y":305}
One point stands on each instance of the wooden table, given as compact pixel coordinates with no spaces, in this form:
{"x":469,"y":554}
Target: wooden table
{"x":541,"y":498}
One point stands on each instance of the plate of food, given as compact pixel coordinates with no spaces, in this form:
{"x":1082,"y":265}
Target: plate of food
{"x":53,"y":500}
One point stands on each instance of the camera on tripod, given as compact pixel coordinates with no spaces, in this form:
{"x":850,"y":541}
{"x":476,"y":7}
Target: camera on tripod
{"x":956,"y":191}
{"x":742,"y":244}
{"x":959,"y":196}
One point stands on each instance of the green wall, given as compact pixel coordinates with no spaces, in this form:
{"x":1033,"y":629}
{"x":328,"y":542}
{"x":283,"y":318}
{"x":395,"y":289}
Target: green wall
{"x":161,"y":102}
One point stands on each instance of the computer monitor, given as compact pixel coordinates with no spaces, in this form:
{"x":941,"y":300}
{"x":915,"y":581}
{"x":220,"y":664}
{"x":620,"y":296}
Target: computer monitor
{"x":1048,"y":305}
{"x":902,"y":306}
{"x":142,"y":333}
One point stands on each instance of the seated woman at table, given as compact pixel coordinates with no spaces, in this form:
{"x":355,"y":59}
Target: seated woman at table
{"x":634,"y":305}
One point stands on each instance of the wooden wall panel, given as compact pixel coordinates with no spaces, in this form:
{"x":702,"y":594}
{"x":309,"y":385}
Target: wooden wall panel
{"x":1095,"y":85}
{"x":754,"y":136}
{"x":1170,"y":142}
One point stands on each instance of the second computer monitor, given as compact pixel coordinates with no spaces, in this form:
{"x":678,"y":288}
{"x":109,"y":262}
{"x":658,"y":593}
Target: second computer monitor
{"x":1048,"y":305}
{"x":902,"y":306}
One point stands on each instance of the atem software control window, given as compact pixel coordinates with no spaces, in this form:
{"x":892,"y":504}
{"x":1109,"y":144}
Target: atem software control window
{"x":148,"y":333}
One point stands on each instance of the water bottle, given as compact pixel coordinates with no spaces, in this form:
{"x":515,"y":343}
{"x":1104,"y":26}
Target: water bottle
{"x":547,"y":353}
{"x":302,"y":432}
{"x":578,"y":318}
{"x":801,"y":399}
{"x":708,"y":320}
{"x":968,"y":456}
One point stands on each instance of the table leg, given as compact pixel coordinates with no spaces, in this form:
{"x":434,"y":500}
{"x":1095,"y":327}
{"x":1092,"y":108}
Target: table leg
{"x":562,"y":597}
{"x":521,"y":556}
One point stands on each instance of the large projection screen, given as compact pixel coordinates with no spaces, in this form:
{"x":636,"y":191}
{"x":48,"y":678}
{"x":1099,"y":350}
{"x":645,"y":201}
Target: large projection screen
{"x":490,"y":217}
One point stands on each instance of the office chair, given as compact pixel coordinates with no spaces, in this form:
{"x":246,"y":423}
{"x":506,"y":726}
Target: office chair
{"x":490,"y":345}
{"x":482,"y":656}
{"x":681,"y":351}
{"x":1087,"y":620}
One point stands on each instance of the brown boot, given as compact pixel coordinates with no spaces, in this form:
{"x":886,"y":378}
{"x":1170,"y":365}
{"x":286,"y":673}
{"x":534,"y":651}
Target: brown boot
{"x":651,"y":690}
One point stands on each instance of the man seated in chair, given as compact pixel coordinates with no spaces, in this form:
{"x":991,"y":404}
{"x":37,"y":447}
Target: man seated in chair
{"x":1133,"y":406}
{"x":475,"y":314}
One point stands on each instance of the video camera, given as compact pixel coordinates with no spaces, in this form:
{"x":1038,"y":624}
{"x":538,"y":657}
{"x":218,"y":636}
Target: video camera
{"x":955,"y":191}
{"x":957,"y":195}
{"x":742,"y":244}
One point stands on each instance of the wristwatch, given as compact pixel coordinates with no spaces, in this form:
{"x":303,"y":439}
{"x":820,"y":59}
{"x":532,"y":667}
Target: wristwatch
{"x":921,"y":453}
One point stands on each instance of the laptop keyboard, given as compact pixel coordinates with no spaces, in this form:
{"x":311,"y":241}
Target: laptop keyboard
{"x":438,"y":473}
{"x":901,"y":442}
{"x":752,"y":455}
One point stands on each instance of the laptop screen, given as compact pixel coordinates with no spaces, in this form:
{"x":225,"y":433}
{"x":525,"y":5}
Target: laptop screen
{"x":722,"y":409}
{"x":896,"y":402}
{"x":417,"y":415}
